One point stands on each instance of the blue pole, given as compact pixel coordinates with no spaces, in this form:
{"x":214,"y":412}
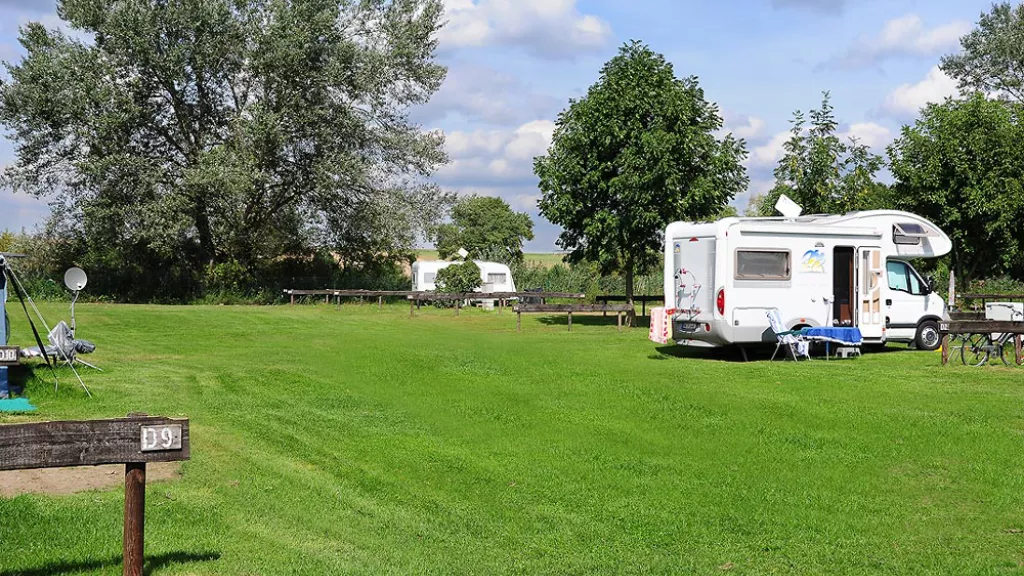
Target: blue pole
{"x":4,"y":390}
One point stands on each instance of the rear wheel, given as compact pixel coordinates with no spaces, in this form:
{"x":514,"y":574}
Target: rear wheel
{"x":928,"y":337}
{"x":1006,"y":351}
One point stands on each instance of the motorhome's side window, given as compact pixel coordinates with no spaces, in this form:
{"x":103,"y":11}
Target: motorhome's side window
{"x":429,"y":277}
{"x":496,"y":278}
{"x":762,"y":265}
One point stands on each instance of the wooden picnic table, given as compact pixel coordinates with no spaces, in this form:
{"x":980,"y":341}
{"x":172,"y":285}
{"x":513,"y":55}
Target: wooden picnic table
{"x":619,"y":309}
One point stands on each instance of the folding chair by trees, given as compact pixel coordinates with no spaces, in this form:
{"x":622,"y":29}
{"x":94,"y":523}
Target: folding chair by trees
{"x":796,"y":344}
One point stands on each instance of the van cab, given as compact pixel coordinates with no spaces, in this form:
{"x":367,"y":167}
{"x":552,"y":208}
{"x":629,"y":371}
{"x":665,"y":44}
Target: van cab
{"x":913,"y":308}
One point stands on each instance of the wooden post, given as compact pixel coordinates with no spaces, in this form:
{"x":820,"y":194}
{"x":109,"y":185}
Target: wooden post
{"x":134,"y":517}
{"x":133,"y":441}
{"x":1019,"y":346}
{"x":618,"y":319}
{"x":458,"y":307}
{"x":952,"y":289}
{"x":412,"y":303}
{"x":643,"y":307}
{"x":293,"y":299}
{"x":380,"y":302}
{"x":570,"y":320}
{"x":327,"y":299}
{"x":945,"y":349}
{"x":519,"y":321}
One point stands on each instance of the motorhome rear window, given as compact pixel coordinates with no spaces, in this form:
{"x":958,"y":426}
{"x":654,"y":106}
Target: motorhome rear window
{"x":496,"y":278}
{"x":762,"y":265}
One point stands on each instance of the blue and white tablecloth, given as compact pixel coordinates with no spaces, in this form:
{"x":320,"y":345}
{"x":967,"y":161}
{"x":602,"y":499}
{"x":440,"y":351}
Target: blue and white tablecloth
{"x":847,"y":336}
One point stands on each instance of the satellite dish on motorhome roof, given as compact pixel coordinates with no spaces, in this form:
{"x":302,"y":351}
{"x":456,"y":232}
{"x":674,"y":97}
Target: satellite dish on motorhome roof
{"x":75,"y":279}
{"x":787,"y":207}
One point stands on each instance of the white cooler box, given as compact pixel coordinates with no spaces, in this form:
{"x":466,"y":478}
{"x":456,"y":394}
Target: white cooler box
{"x":1005,"y":311}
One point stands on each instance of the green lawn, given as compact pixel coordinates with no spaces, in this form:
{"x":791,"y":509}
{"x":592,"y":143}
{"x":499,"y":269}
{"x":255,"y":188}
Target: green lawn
{"x":366,"y":442}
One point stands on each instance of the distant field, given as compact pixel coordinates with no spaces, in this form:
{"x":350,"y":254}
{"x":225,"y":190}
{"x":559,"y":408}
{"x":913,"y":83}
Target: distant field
{"x":544,"y":259}
{"x":366,"y":442}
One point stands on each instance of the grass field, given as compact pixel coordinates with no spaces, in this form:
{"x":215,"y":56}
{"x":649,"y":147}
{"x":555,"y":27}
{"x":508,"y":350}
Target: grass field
{"x":544,"y":259}
{"x":366,"y":442}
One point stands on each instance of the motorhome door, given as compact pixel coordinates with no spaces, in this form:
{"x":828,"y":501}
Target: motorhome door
{"x":870,"y":309}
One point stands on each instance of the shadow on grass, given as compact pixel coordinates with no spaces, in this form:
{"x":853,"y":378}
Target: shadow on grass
{"x":759,"y":353}
{"x":153,"y":563}
{"x":18,"y":376}
{"x":592,"y":319}
{"x":721,"y":354}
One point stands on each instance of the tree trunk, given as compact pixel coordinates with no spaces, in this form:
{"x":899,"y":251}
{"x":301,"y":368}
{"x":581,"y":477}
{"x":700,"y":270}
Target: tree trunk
{"x":631,"y":315}
{"x":205,"y":233}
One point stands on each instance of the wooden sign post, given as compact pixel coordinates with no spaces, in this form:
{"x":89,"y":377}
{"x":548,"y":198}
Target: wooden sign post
{"x":131,"y":441}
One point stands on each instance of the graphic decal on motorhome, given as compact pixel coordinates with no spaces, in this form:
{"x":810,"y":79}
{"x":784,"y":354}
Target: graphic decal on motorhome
{"x":814,"y":261}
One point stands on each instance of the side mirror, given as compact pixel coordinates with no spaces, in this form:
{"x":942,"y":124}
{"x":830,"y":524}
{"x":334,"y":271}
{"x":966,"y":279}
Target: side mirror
{"x":929,"y":284}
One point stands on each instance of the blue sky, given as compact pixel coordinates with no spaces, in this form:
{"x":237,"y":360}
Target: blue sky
{"x":513,"y":64}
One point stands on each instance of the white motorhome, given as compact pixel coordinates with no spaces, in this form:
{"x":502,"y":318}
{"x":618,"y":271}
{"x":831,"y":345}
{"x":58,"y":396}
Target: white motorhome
{"x":494,"y":277}
{"x":846,"y":270}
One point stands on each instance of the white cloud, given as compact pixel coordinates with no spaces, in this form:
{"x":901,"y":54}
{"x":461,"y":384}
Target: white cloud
{"x":768,"y":155}
{"x":870,"y":134}
{"x":480,"y":93}
{"x":495,"y":157}
{"x":908,"y":99}
{"x":545,"y":28}
{"x":20,"y":211}
{"x":741,"y":126}
{"x":903,"y":36}
{"x":764,"y":158}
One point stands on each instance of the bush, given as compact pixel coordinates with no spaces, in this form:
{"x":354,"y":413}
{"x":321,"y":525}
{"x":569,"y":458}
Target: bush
{"x":458,"y":278}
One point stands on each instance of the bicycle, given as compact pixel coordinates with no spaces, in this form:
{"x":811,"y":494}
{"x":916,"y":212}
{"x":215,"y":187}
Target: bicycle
{"x":978,"y":349}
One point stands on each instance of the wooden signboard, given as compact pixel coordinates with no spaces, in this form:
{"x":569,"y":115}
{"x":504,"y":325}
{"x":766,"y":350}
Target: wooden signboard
{"x":131,"y":441}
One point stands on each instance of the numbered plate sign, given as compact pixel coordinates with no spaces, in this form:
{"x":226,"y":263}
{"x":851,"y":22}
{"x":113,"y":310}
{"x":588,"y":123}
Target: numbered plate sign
{"x":161,"y":438}
{"x":8,"y":355}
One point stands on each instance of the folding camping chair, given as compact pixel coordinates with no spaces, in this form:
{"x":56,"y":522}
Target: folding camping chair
{"x":796,"y":344}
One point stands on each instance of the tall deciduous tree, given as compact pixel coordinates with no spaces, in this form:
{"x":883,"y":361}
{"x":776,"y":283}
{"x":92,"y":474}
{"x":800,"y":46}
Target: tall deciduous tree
{"x":821,"y":172}
{"x":962,"y":166}
{"x":992,"y":59}
{"x":637,"y":152}
{"x":230,"y":130}
{"x":487,"y":228}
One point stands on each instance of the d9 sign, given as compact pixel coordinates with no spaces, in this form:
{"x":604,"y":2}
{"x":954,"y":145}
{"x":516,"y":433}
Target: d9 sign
{"x":158,"y":438}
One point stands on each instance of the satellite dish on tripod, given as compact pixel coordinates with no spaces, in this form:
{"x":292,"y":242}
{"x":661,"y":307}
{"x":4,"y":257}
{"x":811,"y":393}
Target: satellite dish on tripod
{"x":75,"y":279}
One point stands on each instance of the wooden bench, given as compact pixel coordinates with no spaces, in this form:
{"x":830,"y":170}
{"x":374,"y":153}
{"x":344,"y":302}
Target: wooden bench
{"x":521,"y":309}
{"x":643,"y":300}
{"x":967,"y":328}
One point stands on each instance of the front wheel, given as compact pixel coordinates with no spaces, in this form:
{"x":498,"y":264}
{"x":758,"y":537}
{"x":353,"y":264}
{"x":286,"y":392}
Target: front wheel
{"x":975,"y":350}
{"x":928,"y":337}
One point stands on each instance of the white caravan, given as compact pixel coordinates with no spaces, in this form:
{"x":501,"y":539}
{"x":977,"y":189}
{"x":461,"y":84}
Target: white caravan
{"x":494,"y":277}
{"x":825,"y":270}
